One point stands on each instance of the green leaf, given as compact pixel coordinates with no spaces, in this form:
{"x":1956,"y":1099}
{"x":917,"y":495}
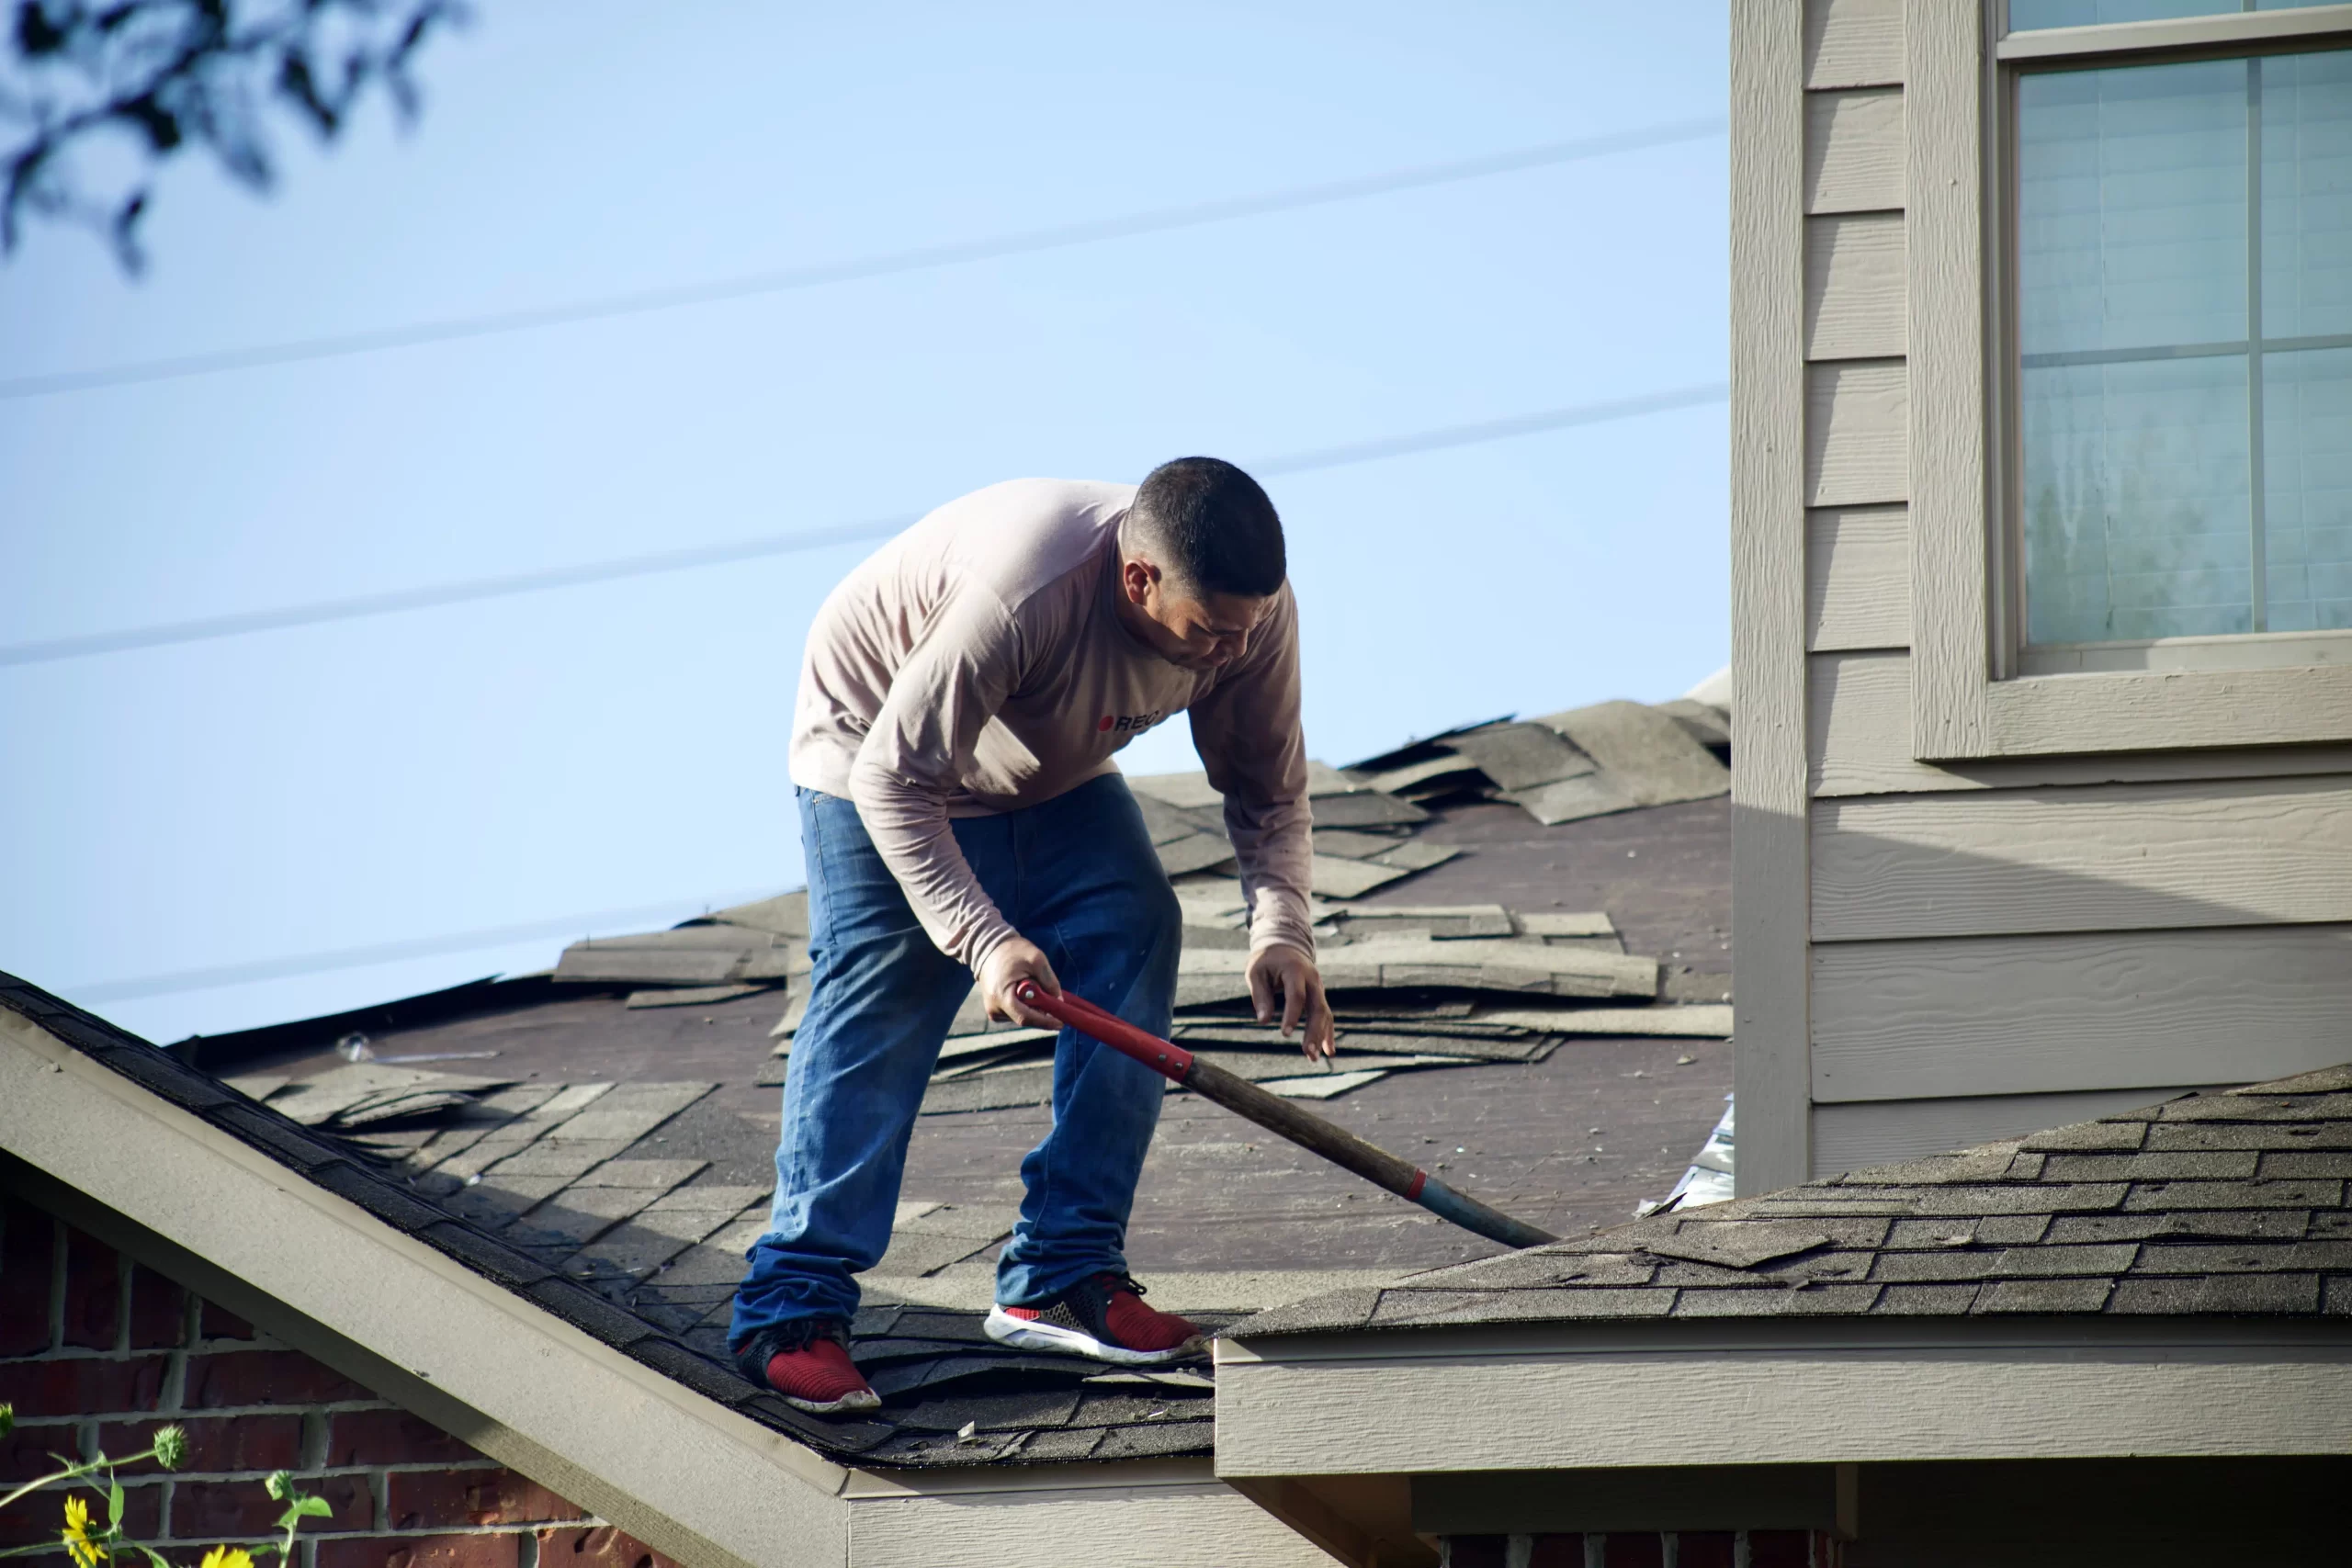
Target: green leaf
{"x":114,"y":1503}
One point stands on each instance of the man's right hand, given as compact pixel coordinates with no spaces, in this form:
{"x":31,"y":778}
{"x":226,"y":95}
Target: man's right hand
{"x":1001,"y":974}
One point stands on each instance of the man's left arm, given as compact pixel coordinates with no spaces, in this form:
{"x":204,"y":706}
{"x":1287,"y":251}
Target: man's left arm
{"x":1247,"y":731}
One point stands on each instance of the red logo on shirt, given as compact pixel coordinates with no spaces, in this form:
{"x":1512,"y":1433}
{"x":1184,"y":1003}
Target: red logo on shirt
{"x":1131,"y":723}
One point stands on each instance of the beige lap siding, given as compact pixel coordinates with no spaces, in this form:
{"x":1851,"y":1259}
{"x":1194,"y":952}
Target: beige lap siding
{"x":95,"y":1353}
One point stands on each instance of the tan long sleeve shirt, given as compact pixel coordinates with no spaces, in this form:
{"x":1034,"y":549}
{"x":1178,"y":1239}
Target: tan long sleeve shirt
{"x":977,"y":664}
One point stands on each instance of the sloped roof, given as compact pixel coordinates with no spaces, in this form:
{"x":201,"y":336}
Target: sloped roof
{"x":610,"y":1162}
{"x":2226,"y":1204}
{"x":1121,"y":1415}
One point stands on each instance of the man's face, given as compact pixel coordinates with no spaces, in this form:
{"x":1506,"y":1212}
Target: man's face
{"x":1191,"y":631}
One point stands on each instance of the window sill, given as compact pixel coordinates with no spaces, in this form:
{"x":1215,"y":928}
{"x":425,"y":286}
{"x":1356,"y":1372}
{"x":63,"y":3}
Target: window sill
{"x":2132,"y":710}
{"x":2258,"y":650}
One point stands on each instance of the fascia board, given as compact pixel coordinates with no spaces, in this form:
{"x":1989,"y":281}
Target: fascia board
{"x":689,"y":1477}
{"x":1145,"y":1514}
{"x":871,"y":1486}
{"x":1781,"y":1393}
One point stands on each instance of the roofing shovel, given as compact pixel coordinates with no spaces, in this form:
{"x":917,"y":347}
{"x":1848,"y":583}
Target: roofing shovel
{"x":1276,"y":1114}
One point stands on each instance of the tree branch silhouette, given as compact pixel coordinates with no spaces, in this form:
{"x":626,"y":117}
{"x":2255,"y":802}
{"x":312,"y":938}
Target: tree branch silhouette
{"x":172,"y":75}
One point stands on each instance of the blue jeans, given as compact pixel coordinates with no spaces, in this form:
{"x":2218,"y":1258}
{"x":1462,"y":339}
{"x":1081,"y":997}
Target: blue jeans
{"x":1077,"y":876}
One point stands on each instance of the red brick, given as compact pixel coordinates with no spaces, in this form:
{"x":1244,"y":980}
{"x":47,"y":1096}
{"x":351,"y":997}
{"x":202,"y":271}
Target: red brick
{"x":1643,"y":1549}
{"x":37,"y":1517}
{"x":497,"y":1551}
{"x":81,"y":1385}
{"x":1476,"y":1551}
{"x":25,"y":1453}
{"x":93,"y":1293}
{"x":231,"y":1378}
{"x":27,"y":1241}
{"x":220,"y":1322}
{"x":209,"y":1509}
{"x":1780,"y":1549}
{"x":600,"y":1546}
{"x":42,"y":1516}
{"x":142,"y":1510}
{"x":1556,"y":1551}
{"x":157,"y":1311}
{"x":261,"y":1443}
{"x":1703,"y":1549}
{"x":393,"y":1437}
{"x":438,"y":1499}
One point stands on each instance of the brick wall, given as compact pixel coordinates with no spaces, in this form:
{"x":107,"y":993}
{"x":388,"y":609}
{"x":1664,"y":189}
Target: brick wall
{"x":95,"y":1353}
{"x":1688,"y":1549}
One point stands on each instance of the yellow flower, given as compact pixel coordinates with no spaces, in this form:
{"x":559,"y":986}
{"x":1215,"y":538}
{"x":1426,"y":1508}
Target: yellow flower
{"x":227,"y":1557}
{"x":87,"y":1552}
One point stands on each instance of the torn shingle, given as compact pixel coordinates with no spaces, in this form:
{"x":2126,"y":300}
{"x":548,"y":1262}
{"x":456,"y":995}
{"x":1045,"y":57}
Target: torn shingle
{"x":1737,"y":1245}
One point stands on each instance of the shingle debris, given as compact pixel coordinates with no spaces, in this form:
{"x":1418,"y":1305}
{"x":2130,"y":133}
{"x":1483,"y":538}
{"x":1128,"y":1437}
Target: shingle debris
{"x":643,"y":1253}
{"x":1514,"y":983}
{"x":2224,"y":1204}
{"x":1581,"y":762}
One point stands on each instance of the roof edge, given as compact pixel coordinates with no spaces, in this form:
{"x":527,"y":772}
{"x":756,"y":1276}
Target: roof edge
{"x":516,"y":1380}
{"x":1724,"y":1339}
{"x":1809,"y":1394}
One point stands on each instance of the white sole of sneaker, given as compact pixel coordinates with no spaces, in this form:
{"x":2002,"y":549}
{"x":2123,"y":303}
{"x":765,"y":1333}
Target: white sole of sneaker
{"x":1022,"y":1334}
{"x":864,"y":1399}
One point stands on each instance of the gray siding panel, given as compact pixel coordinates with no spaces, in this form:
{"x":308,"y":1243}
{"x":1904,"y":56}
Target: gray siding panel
{"x":2040,"y":1014}
{"x":1858,"y":579}
{"x":1848,"y":1137}
{"x":2103,"y":857}
{"x":1854,"y":288}
{"x":1853,"y":151}
{"x":1857,"y":433}
{"x":1853,"y":43}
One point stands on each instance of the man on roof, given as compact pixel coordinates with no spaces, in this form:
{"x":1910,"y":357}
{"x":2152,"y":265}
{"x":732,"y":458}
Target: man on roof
{"x":961,"y":701}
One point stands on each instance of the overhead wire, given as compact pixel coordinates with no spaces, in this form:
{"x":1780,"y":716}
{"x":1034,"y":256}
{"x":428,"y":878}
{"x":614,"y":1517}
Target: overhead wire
{"x":640,"y":302}
{"x":390,"y":951}
{"x":85,"y":645}
{"x":1028,"y":241}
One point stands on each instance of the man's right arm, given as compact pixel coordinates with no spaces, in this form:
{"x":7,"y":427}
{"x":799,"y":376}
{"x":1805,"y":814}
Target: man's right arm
{"x":914,"y":758}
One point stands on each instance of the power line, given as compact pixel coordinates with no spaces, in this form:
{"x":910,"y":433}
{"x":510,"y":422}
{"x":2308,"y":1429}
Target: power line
{"x":921,"y":258}
{"x":390,"y":951}
{"x":89,"y":644}
{"x":363,"y":604}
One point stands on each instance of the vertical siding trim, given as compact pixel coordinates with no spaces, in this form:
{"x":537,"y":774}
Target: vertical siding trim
{"x":1944,"y":195}
{"x":1770,"y":855}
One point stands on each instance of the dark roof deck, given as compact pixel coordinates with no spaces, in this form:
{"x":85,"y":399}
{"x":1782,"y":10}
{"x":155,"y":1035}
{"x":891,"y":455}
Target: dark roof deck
{"x":684,"y":1136}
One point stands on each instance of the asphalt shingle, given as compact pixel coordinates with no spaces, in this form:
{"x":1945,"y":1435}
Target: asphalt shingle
{"x":2207,"y":1205}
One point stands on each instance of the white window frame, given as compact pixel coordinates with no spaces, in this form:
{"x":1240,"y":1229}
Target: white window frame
{"x":1975,"y":694}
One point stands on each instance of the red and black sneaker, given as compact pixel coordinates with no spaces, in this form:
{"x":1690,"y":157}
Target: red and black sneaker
{"x":1102,"y":1318}
{"x":807,"y":1360}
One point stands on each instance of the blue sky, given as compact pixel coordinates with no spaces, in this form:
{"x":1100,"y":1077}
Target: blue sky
{"x":524,"y":762}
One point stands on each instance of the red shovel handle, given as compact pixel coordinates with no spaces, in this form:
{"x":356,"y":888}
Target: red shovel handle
{"x":1276,"y":1114}
{"x":1163,"y":1056}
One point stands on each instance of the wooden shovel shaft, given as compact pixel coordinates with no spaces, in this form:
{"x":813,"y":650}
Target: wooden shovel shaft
{"x":1284,"y":1117}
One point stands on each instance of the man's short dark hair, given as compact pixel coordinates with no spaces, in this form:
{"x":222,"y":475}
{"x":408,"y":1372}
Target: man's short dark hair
{"x":1213,"y":527}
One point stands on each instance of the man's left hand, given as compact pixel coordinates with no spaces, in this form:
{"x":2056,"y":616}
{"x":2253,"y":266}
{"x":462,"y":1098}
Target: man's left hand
{"x":1289,"y":975}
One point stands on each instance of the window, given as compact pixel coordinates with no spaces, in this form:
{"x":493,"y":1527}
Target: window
{"x":2184,"y":326}
{"x":2129,"y":232}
